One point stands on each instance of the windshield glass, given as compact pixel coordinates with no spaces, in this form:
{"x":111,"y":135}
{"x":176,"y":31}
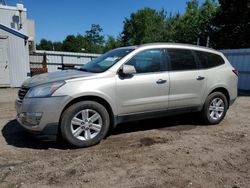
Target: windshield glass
{"x":105,"y":61}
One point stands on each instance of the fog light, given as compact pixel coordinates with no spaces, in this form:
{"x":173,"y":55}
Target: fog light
{"x":30,"y":118}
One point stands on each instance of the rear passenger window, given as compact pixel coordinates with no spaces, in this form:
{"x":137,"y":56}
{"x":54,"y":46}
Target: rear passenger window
{"x":209,"y":60}
{"x":181,"y":59}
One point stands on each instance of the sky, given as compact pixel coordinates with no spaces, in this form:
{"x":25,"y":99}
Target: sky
{"x":55,"y":19}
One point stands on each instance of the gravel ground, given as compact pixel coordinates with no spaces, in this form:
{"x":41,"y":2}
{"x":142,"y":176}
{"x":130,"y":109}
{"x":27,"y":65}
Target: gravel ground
{"x":167,"y":152}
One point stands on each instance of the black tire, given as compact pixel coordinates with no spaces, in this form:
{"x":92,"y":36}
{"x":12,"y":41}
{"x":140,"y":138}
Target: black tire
{"x":70,"y":113}
{"x":207,"y":113}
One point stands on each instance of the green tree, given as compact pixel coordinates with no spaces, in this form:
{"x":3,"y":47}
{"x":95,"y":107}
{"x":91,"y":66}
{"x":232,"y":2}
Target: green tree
{"x":207,"y":13}
{"x":44,"y":45}
{"x":194,"y":23}
{"x":231,"y":24}
{"x":57,"y":46}
{"x":70,"y":44}
{"x":188,"y":26}
{"x":94,"y":34}
{"x":91,"y":42}
{"x":95,"y":39}
{"x":74,"y":43}
{"x":148,"y":25}
{"x":112,"y":43}
{"x":144,"y":26}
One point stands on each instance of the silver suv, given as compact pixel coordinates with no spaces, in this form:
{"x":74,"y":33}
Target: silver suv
{"x":127,"y":84}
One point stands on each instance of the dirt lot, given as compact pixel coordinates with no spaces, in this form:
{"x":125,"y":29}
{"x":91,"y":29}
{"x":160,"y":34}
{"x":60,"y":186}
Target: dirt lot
{"x":167,"y":152}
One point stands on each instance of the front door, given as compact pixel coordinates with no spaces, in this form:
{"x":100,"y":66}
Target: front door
{"x":4,"y":63}
{"x":146,"y":90}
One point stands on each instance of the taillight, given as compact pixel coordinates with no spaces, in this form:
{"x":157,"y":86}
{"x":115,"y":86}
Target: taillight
{"x":236,"y":72}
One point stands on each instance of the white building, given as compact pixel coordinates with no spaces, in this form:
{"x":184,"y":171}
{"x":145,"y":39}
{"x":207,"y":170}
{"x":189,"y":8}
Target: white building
{"x":17,"y":35}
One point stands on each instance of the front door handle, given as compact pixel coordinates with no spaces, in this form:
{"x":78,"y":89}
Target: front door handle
{"x":161,"y":81}
{"x":200,"y":78}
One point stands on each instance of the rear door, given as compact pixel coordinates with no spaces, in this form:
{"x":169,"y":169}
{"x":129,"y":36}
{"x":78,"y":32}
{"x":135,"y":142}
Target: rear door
{"x":147,"y":90}
{"x":187,"y":82}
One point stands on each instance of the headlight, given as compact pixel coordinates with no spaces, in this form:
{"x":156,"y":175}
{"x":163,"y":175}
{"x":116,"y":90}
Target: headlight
{"x":45,"y":90}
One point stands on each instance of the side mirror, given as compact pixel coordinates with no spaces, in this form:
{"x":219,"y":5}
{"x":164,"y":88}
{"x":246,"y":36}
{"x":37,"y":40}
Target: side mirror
{"x":128,"y":70}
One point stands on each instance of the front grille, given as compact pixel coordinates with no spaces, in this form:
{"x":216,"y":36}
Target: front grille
{"x":22,"y":92}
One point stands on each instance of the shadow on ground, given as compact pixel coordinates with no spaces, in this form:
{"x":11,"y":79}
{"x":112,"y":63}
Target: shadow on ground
{"x":171,"y":123}
{"x":16,"y":136}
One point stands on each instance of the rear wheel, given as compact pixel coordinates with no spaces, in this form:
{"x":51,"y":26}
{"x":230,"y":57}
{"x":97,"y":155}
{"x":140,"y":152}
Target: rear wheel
{"x":85,"y":123}
{"x":215,"y":108}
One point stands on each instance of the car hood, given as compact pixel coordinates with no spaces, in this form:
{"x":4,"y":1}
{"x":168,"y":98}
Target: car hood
{"x":54,"y":76}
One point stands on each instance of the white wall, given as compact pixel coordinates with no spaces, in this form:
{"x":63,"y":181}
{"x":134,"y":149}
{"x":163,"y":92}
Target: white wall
{"x":18,"y":58}
{"x":9,"y":16}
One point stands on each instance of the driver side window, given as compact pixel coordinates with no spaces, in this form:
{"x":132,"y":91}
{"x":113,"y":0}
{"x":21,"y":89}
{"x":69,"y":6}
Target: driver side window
{"x":148,"y":61}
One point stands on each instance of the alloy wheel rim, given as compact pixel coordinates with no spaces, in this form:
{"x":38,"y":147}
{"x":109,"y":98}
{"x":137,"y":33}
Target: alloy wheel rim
{"x":216,"y":108}
{"x":86,"y":124}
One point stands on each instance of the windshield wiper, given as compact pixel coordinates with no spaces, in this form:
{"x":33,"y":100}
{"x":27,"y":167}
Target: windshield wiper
{"x":83,"y":69}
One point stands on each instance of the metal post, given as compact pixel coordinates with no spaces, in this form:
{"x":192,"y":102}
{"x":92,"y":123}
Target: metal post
{"x":208,"y":41}
{"x":198,"y":41}
{"x":62,"y":62}
{"x":44,"y":62}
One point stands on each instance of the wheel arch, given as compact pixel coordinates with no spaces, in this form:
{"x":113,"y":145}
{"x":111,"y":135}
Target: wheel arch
{"x":222,"y":90}
{"x":98,"y":99}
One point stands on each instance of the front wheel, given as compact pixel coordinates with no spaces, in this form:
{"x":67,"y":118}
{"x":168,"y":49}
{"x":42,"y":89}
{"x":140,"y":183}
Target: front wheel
{"x":215,"y":108}
{"x":85,"y":123}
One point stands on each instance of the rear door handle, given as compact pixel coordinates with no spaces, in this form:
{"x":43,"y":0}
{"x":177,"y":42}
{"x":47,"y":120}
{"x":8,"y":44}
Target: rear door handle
{"x":200,"y":78}
{"x":161,"y":81}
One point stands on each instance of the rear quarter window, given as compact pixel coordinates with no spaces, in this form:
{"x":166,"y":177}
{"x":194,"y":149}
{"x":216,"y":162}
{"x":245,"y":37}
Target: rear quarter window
{"x":209,"y":60}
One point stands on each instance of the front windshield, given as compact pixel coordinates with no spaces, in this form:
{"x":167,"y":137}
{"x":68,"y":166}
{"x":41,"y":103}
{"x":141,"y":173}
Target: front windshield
{"x":105,"y":61}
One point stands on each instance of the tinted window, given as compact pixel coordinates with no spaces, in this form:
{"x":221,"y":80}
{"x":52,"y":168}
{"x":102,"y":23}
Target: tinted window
{"x":208,"y":60}
{"x":181,"y":59}
{"x":148,"y":61}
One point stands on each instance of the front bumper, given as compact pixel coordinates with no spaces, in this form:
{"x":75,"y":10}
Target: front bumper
{"x":41,"y":115}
